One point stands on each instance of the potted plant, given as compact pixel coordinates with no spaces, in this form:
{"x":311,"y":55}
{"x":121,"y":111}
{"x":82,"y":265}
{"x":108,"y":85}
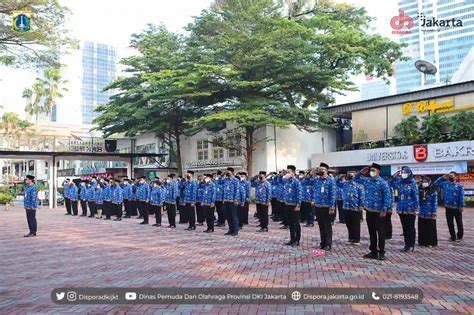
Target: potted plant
{"x":6,"y":199}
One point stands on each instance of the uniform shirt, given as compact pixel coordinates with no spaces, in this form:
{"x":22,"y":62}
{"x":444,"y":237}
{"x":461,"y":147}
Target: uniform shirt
{"x":279,"y":194}
{"x":292,"y":191}
{"x":209,"y":191}
{"x":157,"y":196}
{"x":453,"y":193}
{"x":408,"y":195}
{"x":181,"y":192}
{"x":99,"y":196}
{"x":107,"y":193}
{"x":246,"y":185}
{"x":190,"y":191}
{"x":73,"y":192}
{"x":127,"y":191}
{"x":133,"y":192}
{"x":263,"y":191}
{"x":31,"y":197}
{"x":231,"y":189}
{"x":241,"y":194}
{"x":90,"y":191}
{"x":219,"y":189}
{"x":353,"y":195}
{"x":428,"y":204}
{"x":83,"y":193}
{"x":324,"y":191}
{"x":116,"y":194}
{"x":66,"y":190}
{"x":378,"y":195}
{"x":171,"y":191}
{"x":200,"y":191}
{"x":307,"y":184}
{"x":339,"y":187}
{"x":143,"y":192}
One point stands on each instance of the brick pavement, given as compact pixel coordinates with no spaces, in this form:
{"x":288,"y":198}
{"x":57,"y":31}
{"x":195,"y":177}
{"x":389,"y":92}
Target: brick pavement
{"x":82,"y":252}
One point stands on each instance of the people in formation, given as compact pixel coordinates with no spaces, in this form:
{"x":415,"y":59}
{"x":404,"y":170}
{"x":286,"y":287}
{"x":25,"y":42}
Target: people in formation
{"x":295,"y":198}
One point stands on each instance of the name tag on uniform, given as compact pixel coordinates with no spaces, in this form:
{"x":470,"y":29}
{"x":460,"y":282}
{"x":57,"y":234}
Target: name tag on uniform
{"x":322,"y":189}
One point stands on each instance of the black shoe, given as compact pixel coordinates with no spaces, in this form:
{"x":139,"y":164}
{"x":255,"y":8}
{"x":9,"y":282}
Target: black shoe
{"x":83,"y":215}
{"x":290,"y":243}
{"x":321,"y":246}
{"x":144,"y":222}
{"x":191,"y":228}
{"x":127,"y":217}
{"x":30,"y":235}
{"x":309,"y":225}
{"x":107,"y":219}
{"x":235,"y":234}
{"x":118,"y":219}
{"x":228,"y":233}
{"x":295,"y":244}
{"x":328,"y":248}
{"x":408,"y":249}
{"x":371,"y":256}
{"x":90,"y":216}
{"x":262,"y":230}
{"x":341,"y":222}
{"x":140,"y":216}
{"x":67,"y":214}
{"x":381,"y":257}
{"x":283,"y":227}
{"x":156,"y":224}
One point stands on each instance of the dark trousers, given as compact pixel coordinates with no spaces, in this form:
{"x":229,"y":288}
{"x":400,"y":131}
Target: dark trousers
{"x":31,"y":218}
{"x":245,"y":213}
{"x":107,"y":209}
{"x":200,"y":213}
{"x":452,"y":214}
{"x":241,"y":215}
{"x":275,"y":213}
{"x":427,"y":234}
{"x":74,"y":207}
{"x":171,"y":211}
{"x":340,"y":210}
{"x":283,"y":213}
{"x":262,"y":211}
{"x":143,"y":208}
{"x":376,"y":226}
{"x":190,"y":212}
{"x":388,"y":226}
{"x":209,"y":215}
{"x":133,"y":207}
{"x":408,"y":226}
{"x":84,"y":207}
{"x":128,"y":208}
{"x":67,"y":202}
{"x":220,"y":212}
{"x":325,"y":226}
{"x":183,"y":215}
{"x":352,"y":220}
{"x":92,"y":207}
{"x":294,"y":223}
{"x":157,"y":211}
{"x":307,"y":210}
{"x":118,"y":210}
{"x":231,"y":215}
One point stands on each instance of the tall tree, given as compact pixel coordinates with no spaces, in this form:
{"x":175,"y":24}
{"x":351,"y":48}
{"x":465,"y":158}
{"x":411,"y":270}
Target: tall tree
{"x":13,"y":127}
{"x":40,"y":46}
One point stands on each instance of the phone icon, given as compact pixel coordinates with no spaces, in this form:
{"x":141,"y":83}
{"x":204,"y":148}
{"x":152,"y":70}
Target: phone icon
{"x":375,"y":297}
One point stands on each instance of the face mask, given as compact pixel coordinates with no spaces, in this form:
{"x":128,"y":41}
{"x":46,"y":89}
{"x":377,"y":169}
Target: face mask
{"x":404,"y":175}
{"x":188,"y":176}
{"x":207,"y":180}
{"x":372,"y":174}
{"x":425,"y":184}
{"x":261,"y":177}
{"x":98,"y":187}
{"x":83,"y":184}
{"x":155,"y":185}
{"x":451,"y":179}
{"x":287,"y":175}
{"x":350,"y":176}
{"x":228,"y":174}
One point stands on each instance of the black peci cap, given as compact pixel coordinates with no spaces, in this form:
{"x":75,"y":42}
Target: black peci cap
{"x":376,"y":166}
{"x":322,"y":164}
{"x":30,"y":177}
{"x":291,"y":167}
{"x":230,"y":169}
{"x":262,"y":173}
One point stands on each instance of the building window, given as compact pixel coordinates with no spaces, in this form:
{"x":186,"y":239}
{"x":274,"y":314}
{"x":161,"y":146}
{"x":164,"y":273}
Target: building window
{"x":202,"y":150}
{"x":234,"y":153}
{"x":217,"y":153}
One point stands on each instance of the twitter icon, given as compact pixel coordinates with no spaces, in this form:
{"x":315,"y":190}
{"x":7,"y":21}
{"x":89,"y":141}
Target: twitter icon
{"x":60,"y":296}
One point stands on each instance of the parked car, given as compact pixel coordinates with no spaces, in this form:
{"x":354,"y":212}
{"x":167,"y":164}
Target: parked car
{"x":59,"y":199}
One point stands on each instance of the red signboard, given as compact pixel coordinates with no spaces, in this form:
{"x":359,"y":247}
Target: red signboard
{"x":467,"y":180}
{"x":97,"y":175}
{"x":420,"y":152}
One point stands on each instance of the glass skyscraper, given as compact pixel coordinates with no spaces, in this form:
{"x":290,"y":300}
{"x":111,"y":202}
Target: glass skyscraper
{"x":432,"y":40}
{"x":98,"y":70}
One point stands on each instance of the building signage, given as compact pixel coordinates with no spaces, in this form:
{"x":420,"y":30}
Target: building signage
{"x":97,"y":175}
{"x":433,"y":168}
{"x":467,"y":180}
{"x":432,"y":106}
{"x":420,"y":152}
{"x":66,"y":172}
{"x":86,"y":146}
{"x":212,"y":163}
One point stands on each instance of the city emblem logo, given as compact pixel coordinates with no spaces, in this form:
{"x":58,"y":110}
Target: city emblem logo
{"x":21,"y":21}
{"x":400,"y":21}
{"x":420,"y":152}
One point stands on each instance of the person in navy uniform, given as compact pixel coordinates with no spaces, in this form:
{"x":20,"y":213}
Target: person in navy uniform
{"x":30,"y":203}
{"x":244,"y":213}
{"x":219,"y":203}
{"x":453,"y":199}
{"x":208,"y":202}
{"x":67,"y":200}
{"x":292,"y":192}
{"x":200,"y":191}
{"x":340,"y":180}
{"x":307,"y":211}
{"x":263,"y":196}
{"x":427,"y":235}
{"x":116,"y":195}
{"x":127,"y":194}
{"x":83,"y":197}
{"x":107,"y":199}
{"x":281,"y":200}
{"x":171,"y":192}
{"x":143,"y":195}
{"x":99,"y":199}
{"x":189,"y":199}
{"x":230,"y":198}
{"x":90,"y":191}
{"x":353,"y":197}
{"x":241,"y":197}
{"x":183,"y":219}
{"x":157,"y":198}
{"x":377,"y":203}
{"x":324,"y":199}
{"x":408,"y":205}
{"x":74,"y":197}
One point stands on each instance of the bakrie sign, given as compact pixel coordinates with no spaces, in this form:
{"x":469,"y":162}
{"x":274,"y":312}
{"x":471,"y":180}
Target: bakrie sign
{"x":420,"y":152}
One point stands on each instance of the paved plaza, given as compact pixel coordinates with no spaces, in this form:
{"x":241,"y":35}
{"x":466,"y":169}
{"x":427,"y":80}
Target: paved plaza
{"x":83,"y":252}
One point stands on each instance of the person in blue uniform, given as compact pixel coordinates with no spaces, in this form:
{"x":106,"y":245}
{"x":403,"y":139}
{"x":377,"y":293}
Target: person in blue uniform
{"x":219,"y":203}
{"x":127,"y":194}
{"x":324,"y":198}
{"x":30,"y":203}
{"x":230,"y":198}
{"x":271,"y":178}
{"x":107,"y":199}
{"x":200,"y":191}
{"x":183,"y":219}
{"x":353,"y":197}
{"x":281,"y":200}
{"x":157,"y":199}
{"x":189,"y":199}
{"x":388,"y":216}
{"x":171,"y":192}
{"x":377,"y":202}
{"x":143,"y":195}
{"x":263,"y":196}
{"x":240,"y":202}
{"x":99,"y":199}
{"x":408,"y":205}
{"x":208,"y":202}
{"x":67,"y":200}
{"x":292,"y":192}
{"x":83,"y":197}
{"x":427,"y":235}
{"x":73,"y":193}
{"x":340,"y":180}
{"x":244,"y":213}
{"x":307,"y":211}
{"x":116,"y":198}
{"x":90,"y":191}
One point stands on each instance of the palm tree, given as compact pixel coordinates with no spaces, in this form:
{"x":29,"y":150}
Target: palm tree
{"x":12,"y":125}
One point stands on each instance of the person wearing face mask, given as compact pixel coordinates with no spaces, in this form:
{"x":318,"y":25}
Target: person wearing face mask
{"x":276,"y":182}
{"x":230,"y":199}
{"x":281,"y":198}
{"x":453,"y":199}
{"x":340,"y":180}
{"x":208,"y":202}
{"x":74,"y":196}
{"x":307,"y":215}
{"x":263,"y":196}
{"x":99,"y":200}
{"x":107,"y":199}
{"x":183,"y":219}
{"x":171,"y":191}
{"x":353,"y":195}
{"x":157,"y":198}
{"x":67,"y":200}
{"x":408,"y":204}
{"x":244,"y":213}
{"x":292,"y":192}
{"x":143,"y":197}
{"x":200,"y":191}
{"x":116,"y":195}
{"x":127,"y":193}
{"x":30,"y":203}
{"x":189,"y":198}
{"x":427,"y":235}
{"x":377,"y":203}
{"x":324,"y":198}
{"x":90,"y":191}
{"x":219,"y":203}
{"x":83,"y":197}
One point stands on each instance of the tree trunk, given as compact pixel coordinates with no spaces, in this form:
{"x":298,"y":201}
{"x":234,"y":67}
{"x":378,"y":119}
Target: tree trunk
{"x":249,"y":149}
{"x":179,"y":165}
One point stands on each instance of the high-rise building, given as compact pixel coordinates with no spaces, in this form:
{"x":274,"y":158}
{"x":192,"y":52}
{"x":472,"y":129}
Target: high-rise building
{"x":99,"y":70}
{"x":375,"y":88}
{"x":438,"y":31}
